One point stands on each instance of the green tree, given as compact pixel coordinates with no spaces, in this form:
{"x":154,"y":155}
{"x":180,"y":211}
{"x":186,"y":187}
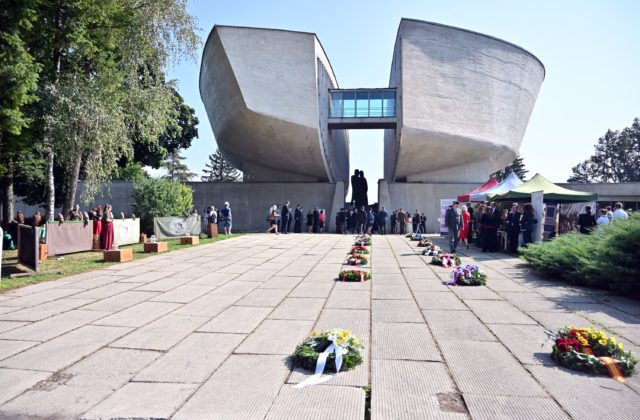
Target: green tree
{"x":118,"y":49}
{"x":516,"y":166}
{"x":615,"y":159}
{"x":131,"y":172}
{"x":18,"y":81}
{"x":176,"y":169}
{"x":178,"y":134}
{"x":159,"y":198}
{"x":219,"y":169}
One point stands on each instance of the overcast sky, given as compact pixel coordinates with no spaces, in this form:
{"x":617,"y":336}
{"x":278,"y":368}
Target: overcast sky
{"x":589,"y":48}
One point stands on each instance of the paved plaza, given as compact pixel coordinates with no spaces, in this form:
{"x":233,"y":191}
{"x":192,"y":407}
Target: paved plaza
{"x":205,"y":333}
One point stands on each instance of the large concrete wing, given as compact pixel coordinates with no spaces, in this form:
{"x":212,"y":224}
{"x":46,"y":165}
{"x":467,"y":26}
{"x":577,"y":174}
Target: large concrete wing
{"x":266,"y":95}
{"x":464,"y":102}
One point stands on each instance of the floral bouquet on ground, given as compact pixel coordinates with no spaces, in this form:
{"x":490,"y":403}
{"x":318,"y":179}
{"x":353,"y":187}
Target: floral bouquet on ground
{"x":409,"y":235}
{"x":446,"y":260}
{"x":432,"y":251}
{"x":364,"y":240}
{"x":590,"y":350}
{"x":426,"y":243}
{"x":359,"y":250}
{"x":354,"y":275}
{"x":357,"y":259}
{"x":331,"y":342}
{"x":417,"y":237}
{"x":468,"y":275}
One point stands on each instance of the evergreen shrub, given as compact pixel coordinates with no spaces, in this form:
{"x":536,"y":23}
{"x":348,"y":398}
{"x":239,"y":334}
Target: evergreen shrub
{"x":607,"y":258}
{"x":160,"y":198}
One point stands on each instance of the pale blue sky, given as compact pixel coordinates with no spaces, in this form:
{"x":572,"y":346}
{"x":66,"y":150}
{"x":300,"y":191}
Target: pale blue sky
{"x":589,"y":48}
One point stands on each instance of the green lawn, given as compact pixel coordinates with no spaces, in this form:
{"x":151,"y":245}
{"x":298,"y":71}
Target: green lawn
{"x":76,"y":263}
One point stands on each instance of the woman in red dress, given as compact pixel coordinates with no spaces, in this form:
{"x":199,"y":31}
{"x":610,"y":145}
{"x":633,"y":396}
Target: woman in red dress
{"x":464,"y":232}
{"x":106,"y":236}
{"x":97,"y":227}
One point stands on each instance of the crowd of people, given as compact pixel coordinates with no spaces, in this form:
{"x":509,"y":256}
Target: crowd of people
{"x":587,"y":221}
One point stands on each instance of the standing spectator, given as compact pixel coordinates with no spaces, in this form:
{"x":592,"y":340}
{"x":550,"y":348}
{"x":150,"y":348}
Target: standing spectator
{"x":297,"y":217}
{"x":513,"y":228}
{"x":408,"y":223}
{"x":485,"y":225}
{"x":383,"y":217}
{"x":75,"y":213}
{"x":316,"y":220}
{"x":603,"y":219}
{"x":609,"y":214}
{"x":416,"y":221}
{"x":37,"y":219}
{"x":453,"y":222}
{"x":309,"y":221}
{"x":423,"y":224}
{"x":464,"y":231}
{"x":286,"y":217}
{"x":586,"y":221}
{"x":361,"y":220}
{"x":341,"y":220}
{"x":322,"y":219}
{"x":371,"y":221}
{"x":393,"y":221}
{"x":352,"y":222}
{"x":619,"y":213}
{"x":227,"y":218}
{"x":401,"y":217}
{"x":472,"y":222}
{"x":527,"y":223}
{"x":497,"y":220}
{"x":107,"y":234}
{"x":97,"y":227}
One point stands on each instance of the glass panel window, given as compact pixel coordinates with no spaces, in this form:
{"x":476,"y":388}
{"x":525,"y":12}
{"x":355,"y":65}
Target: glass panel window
{"x":389,"y":104}
{"x":336,"y":105}
{"x":348,"y":104}
{"x":362,"y":104}
{"x":375,"y":104}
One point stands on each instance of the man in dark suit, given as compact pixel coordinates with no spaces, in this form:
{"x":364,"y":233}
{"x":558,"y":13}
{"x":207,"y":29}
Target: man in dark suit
{"x":513,"y":228}
{"x":341,"y":220}
{"x":401,"y":217}
{"x":586,"y":221}
{"x":383,"y":217}
{"x":453,"y":222}
{"x":285,"y":216}
{"x":297,"y":217}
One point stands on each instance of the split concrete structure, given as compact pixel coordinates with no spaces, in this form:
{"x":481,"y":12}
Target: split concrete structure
{"x":456,"y":108}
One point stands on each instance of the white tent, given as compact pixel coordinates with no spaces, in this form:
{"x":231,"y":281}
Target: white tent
{"x":507,"y":184}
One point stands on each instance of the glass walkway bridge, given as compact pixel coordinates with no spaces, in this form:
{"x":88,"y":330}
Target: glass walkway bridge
{"x":362,"y":108}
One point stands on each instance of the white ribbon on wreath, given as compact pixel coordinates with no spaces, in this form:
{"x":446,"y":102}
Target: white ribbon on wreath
{"x":318,"y":378}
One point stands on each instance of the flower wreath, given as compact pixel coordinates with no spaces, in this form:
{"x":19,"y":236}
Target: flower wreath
{"x":416,"y":237}
{"x":362,"y":241}
{"x":357,"y":259}
{"x":590,"y":350}
{"x":307,"y":353}
{"x":446,"y":260}
{"x":432,"y":251}
{"x":359,"y":250}
{"x":468,"y":275}
{"x":354,"y":275}
{"x":425,"y":243}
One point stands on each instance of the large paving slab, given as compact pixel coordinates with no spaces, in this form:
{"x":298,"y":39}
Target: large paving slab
{"x":192,"y":360}
{"x":502,"y":407}
{"x":237,"y":319}
{"x":54,"y":326}
{"x":456,"y":326}
{"x":404,"y":341}
{"x":138,"y":315}
{"x":318,"y":403}
{"x":498,"y":312}
{"x":404,"y":389}
{"x":275,"y":336}
{"x":243,"y":388}
{"x":65,"y":349}
{"x":142,"y":400}
{"x":161,"y":334}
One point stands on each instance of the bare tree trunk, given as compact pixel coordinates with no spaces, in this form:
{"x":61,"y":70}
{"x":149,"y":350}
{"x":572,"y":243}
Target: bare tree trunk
{"x":7,"y":194}
{"x":72,"y":186}
{"x":50,"y":201}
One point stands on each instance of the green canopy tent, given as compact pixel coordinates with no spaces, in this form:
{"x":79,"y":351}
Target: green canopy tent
{"x":551,"y":191}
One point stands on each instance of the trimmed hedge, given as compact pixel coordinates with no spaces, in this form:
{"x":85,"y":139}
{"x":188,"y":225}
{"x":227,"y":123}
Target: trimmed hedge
{"x":609,"y":258}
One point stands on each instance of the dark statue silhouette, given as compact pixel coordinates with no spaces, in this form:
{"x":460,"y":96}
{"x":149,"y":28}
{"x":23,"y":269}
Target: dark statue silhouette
{"x":359,"y":189}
